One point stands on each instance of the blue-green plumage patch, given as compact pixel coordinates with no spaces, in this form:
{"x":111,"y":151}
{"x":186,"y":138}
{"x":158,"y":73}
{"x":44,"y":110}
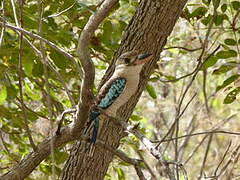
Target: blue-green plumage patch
{"x":114,"y":91}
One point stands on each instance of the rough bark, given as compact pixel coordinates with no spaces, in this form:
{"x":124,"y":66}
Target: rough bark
{"x":147,"y":32}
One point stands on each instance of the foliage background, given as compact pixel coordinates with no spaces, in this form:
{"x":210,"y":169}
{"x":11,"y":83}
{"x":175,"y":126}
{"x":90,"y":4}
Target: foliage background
{"x":216,"y":87}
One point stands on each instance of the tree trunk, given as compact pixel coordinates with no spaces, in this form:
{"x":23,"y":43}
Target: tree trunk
{"x":147,"y":32}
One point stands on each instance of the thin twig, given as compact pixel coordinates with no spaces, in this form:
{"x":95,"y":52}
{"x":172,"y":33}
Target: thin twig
{"x":30,"y":110}
{"x":139,"y":173}
{"x":190,"y":129}
{"x":213,"y":129}
{"x":202,"y":133}
{"x":145,"y":141}
{"x":54,"y":69}
{"x":198,"y":68}
{"x":62,"y":119}
{"x":3,"y":142}
{"x":184,"y":48}
{"x":35,"y":36}
{"x":205,"y":90}
{"x":224,"y":155}
{"x":63,"y":11}
{"x":46,"y":83}
{"x":154,"y":177}
{"x":20,"y":77}
{"x":171,"y":129}
{"x":14,"y":13}
{"x":205,"y":157}
{"x":86,"y":94}
{"x":230,"y":160}
{"x":119,"y":153}
{"x":3,"y":28}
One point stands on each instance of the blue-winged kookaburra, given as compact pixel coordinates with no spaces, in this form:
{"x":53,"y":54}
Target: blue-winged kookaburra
{"x":117,"y":90}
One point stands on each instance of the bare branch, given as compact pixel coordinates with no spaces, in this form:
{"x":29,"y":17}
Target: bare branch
{"x":35,"y":36}
{"x":205,"y":156}
{"x":83,"y":49}
{"x":20,"y":77}
{"x":184,"y":48}
{"x":63,"y":11}
{"x":119,"y":153}
{"x":28,"y":164}
{"x":154,"y":177}
{"x":205,"y":90}
{"x":139,"y":172}
{"x":46,"y":83}
{"x":62,"y":118}
{"x":124,"y":157}
{"x":38,"y":52}
{"x":224,"y":155}
{"x":29,"y":109}
{"x":202,"y":133}
{"x":86,"y":96}
{"x":145,"y":141}
{"x":3,"y":28}
{"x":235,"y":154}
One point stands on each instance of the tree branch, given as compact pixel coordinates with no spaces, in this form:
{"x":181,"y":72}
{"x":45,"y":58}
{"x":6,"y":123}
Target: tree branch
{"x":35,"y":36}
{"x":86,"y":95}
{"x":184,"y":48}
{"x":145,"y":141}
{"x":20,"y":77}
{"x":28,"y":164}
{"x":124,"y":157}
{"x":3,"y":28}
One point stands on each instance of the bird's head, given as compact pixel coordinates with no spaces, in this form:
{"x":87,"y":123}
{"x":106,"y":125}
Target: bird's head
{"x":133,"y":58}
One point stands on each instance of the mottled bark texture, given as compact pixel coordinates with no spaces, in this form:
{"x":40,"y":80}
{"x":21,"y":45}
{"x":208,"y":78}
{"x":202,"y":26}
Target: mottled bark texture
{"x":147,"y":32}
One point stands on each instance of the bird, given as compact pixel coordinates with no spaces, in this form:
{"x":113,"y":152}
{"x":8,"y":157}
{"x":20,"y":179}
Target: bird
{"x":120,"y":87}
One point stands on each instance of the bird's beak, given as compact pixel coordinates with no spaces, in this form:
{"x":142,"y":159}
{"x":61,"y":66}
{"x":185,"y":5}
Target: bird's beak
{"x":143,"y":58}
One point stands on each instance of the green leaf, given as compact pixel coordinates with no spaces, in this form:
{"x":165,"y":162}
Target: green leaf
{"x":236,"y":5}
{"x":228,"y":81}
{"x":207,"y":2}
{"x":30,"y":22}
{"x":107,"y":33}
{"x":12,"y":92}
{"x":224,"y":7}
{"x":220,"y":18}
{"x":223,"y":69}
{"x":37,"y":69}
{"x":216,"y":3}
{"x":3,"y":94}
{"x":32,"y":93}
{"x":46,"y":169}
{"x":102,"y":67}
{"x":120,"y":173}
{"x":231,"y":96}
{"x":230,"y":42}
{"x":60,"y":157}
{"x":28,"y":63}
{"x":135,"y":118}
{"x":226,"y":54}
{"x":199,"y":12}
{"x":206,"y":20}
{"x":59,"y":60}
{"x":151,"y":91}
{"x":209,"y":62}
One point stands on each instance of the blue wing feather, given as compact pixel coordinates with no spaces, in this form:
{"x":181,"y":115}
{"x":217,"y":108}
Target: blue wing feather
{"x":113,"y":92}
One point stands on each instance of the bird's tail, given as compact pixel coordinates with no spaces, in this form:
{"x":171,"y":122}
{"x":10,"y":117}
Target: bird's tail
{"x":92,"y":131}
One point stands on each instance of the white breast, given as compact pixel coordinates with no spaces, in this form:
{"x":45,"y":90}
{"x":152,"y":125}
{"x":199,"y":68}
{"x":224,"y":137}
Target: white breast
{"x":131,"y":73}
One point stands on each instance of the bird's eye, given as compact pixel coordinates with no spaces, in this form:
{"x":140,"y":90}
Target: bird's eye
{"x":127,"y":60}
